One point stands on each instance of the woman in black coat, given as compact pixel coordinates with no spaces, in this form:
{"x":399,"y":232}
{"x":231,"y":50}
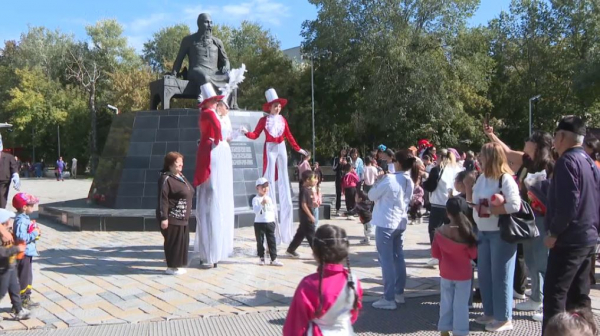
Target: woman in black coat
{"x":175,"y":195}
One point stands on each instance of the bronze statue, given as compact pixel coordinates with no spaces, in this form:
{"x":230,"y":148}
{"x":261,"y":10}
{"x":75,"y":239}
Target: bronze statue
{"x":206,"y":54}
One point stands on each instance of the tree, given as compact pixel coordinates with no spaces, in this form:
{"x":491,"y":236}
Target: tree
{"x":160,"y":52}
{"x":90,"y":65}
{"x":391,"y":71}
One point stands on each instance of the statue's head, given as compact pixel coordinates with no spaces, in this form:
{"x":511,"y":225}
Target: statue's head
{"x":204,"y":23}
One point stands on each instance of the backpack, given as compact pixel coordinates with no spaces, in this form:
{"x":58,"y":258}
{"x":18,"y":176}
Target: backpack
{"x":434,"y":178}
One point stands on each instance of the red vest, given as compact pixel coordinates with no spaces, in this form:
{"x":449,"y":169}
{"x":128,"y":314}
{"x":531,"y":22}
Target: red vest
{"x":269,"y":138}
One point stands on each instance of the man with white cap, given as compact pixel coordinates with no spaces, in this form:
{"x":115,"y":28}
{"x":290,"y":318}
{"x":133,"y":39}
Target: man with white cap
{"x":213,"y":180}
{"x":275,"y":159}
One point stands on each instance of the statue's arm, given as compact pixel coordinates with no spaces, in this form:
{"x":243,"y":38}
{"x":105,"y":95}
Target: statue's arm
{"x":180,"y":57}
{"x":224,"y":64}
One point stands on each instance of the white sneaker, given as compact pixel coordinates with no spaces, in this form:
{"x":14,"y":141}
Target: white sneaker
{"x":276,"y":263}
{"x":433,"y":262}
{"x":170,"y":271}
{"x":518,"y":296}
{"x":498,"y":326}
{"x":528,"y":305}
{"x":262,"y":262}
{"x":180,"y":271}
{"x":365,"y":241}
{"x":399,"y":298}
{"x":538,"y":316}
{"x":384,"y":304}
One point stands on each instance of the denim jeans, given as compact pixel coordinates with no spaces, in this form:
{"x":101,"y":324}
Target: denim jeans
{"x":454,"y":306}
{"x":390,"y":247}
{"x":315,"y":213}
{"x":496,"y":269}
{"x":536,"y":258}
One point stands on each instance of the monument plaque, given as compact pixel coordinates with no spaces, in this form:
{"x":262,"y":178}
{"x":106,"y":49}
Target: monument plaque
{"x":243,"y":155}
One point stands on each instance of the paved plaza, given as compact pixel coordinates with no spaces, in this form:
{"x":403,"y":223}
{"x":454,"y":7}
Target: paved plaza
{"x":87,"y":279}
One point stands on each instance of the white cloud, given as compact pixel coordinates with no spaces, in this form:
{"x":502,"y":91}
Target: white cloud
{"x":269,"y":12}
{"x":262,"y":11}
{"x":153,"y":21}
{"x":137,"y":42}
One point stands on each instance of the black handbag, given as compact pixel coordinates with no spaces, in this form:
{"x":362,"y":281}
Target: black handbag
{"x":518,"y":226}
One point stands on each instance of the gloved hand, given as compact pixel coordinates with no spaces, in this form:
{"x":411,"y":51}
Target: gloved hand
{"x":243,"y":130}
{"x":303,"y":152}
{"x":16,"y":180}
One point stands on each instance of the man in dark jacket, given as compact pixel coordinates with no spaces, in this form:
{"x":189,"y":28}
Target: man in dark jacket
{"x":9,"y":172}
{"x":571,"y":222}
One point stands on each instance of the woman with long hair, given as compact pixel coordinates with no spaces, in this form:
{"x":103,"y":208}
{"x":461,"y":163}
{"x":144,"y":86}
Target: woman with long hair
{"x":496,"y":257}
{"x":391,"y":194}
{"x":532,"y":166}
{"x":441,"y":179}
{"x":339,"y":162}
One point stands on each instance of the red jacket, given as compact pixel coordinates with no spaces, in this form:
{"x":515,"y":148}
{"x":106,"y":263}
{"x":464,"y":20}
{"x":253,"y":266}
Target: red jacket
{"x":455,"y":258}
{"x":270,"y":138}
{"x":210,"y":128}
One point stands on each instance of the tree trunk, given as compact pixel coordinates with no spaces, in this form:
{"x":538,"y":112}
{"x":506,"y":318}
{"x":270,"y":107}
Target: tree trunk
{"x":93,"y":142}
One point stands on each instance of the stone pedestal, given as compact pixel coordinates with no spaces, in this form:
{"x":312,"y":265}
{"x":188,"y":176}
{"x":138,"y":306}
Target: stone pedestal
{"x":127,"y":176}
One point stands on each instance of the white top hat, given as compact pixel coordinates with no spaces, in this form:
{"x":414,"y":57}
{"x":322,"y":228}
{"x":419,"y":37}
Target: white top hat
{"x":207,"y":92}
{"x":272,"y":97}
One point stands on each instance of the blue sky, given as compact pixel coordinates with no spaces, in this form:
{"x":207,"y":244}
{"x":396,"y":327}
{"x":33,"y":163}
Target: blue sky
{"x":141,"y":18}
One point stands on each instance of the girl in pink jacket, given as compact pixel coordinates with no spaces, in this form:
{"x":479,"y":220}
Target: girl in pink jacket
{"x":326,"y":302}
{"x":455,"y":245}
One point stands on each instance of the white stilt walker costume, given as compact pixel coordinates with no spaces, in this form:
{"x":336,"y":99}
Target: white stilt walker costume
{"x":214,"y":186}
{"x":275,"y":160}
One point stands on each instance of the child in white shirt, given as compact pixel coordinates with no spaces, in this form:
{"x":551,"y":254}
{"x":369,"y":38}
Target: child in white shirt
{"x":264,"y":222}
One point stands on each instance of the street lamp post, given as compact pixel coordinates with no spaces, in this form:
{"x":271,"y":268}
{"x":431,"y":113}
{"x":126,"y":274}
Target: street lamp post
{"x":114,"y":108}
{"x":58,"y":132}
{"x":531,"y":100}
{"x":312,"y":84}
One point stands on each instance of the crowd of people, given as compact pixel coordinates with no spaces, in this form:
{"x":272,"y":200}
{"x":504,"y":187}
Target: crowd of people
{"x":38,"y":169}
{"x":476,"y":204}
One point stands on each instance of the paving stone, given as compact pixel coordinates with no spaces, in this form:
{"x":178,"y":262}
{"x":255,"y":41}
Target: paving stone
{"x":33,"y":323}
{"x":122,"y":273}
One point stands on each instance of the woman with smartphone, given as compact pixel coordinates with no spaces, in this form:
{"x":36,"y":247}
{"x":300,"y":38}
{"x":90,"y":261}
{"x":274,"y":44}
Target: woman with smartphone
{"x":495,"y":256}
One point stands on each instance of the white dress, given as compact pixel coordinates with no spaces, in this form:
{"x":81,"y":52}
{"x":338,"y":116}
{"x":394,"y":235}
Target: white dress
{"x":214,"y":204}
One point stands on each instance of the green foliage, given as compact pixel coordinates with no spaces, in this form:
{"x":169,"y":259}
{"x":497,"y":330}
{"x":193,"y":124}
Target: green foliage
{"x":160,"y":52}
{"x":385,"y":71}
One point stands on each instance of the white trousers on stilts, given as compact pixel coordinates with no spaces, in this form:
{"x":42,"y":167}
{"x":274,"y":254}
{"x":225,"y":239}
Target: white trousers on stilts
{"x":215,"y":210}
{"x":277,"y":156}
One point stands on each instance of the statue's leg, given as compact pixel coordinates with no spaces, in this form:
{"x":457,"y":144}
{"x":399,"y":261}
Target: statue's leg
{"x":233,"y":100}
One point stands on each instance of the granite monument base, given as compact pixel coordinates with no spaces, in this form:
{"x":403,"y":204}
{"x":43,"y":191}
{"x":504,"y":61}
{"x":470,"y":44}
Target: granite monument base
{"x":82,"y":217}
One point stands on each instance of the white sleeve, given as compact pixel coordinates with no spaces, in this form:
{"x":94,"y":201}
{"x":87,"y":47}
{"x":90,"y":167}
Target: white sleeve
{"x":256,"y":206}
{"x":379,"y":189}
{"x":510,"y":190}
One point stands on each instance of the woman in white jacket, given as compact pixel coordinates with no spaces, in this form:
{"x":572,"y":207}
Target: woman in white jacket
{"x":391,"y":194}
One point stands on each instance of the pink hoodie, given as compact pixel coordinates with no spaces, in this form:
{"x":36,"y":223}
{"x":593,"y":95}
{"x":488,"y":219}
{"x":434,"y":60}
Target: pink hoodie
{"x":455,"y":258}
{"x":306,"y":299}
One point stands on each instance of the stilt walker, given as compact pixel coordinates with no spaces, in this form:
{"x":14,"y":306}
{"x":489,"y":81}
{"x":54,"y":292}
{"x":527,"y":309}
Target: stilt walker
{"x":214,"y":220}
{"x":275,"y":160}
